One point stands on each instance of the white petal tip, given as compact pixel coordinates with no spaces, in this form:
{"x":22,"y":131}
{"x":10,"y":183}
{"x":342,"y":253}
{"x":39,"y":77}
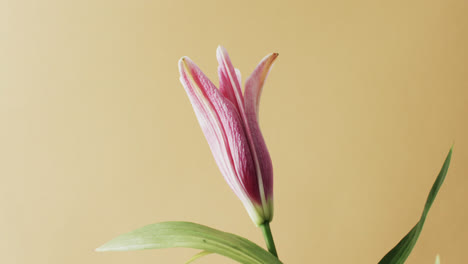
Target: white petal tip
{"x":183,"y":59}
{"x":185,"y":63}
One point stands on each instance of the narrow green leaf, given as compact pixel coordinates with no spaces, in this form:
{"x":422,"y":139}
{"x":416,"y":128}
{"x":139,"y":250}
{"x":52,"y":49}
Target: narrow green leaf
{"x":191,"y":235}
{"x":197,"y":256}
{"x":401,"y":251}
{"x":437,"y":261}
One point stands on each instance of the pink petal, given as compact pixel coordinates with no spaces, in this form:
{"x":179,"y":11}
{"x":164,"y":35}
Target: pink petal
{"x":254,"y":84}
{"x":253,"y":89}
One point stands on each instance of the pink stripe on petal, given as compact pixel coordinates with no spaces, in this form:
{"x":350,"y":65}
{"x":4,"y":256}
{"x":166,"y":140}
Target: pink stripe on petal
{"x":225,"y":86}
{"x":229,"y":78}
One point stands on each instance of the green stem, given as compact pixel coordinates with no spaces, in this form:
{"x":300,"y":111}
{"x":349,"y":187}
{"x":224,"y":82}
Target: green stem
{"x":269,"y":238}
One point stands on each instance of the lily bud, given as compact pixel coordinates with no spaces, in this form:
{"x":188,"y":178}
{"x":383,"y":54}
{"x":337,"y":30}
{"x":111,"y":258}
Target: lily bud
{"x":229,"y":120}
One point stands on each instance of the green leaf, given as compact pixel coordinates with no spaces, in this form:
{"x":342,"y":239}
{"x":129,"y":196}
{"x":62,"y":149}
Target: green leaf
{"x":197,"y":256}
{"x":191,"y":235}
{"x":437,"y":261}
{"x":401,"y":251}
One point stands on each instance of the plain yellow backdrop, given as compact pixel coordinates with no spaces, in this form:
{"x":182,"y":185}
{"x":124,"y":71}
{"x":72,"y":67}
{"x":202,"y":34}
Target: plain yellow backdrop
{"x":98,"y":137}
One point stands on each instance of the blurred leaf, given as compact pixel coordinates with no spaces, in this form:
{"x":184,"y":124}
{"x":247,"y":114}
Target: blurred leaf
{"x":191,"y":235}
{"x":401,"y":251}
{"x":197,"y":256}
{"x":437,"y":259}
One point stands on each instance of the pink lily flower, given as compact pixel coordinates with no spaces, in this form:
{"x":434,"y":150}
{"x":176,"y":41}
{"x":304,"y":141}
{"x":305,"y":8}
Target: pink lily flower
{"x":229,"y":120}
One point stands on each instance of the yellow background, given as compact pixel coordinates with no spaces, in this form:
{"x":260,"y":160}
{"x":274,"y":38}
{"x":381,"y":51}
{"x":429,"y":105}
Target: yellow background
{"x":98,"y":136}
